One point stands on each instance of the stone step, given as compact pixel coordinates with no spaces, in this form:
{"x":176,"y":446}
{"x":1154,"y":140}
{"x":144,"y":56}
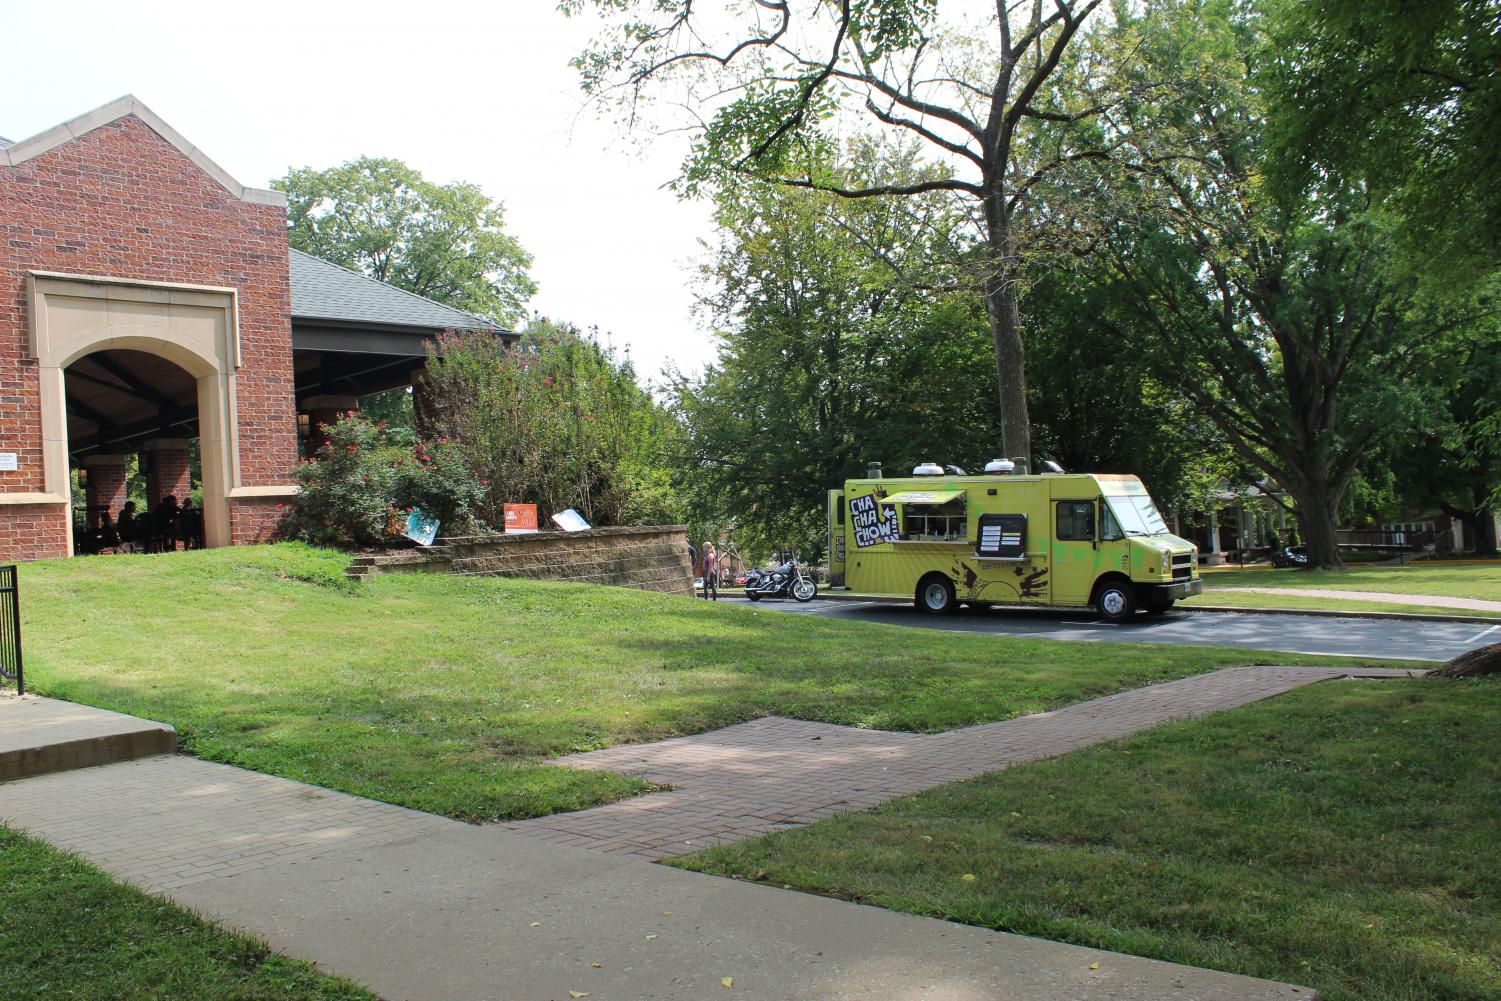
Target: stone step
{"x":39,"y":735}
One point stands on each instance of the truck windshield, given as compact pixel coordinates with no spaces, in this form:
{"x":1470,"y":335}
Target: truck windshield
{"x":1137,"y":515}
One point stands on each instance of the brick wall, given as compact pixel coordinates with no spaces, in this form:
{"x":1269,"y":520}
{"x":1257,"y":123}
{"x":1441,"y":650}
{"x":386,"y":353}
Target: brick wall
{"x":652,"y":558}
{"x":257,"y":519}
{"x":122,"y":201}
{"x":32,"y":532}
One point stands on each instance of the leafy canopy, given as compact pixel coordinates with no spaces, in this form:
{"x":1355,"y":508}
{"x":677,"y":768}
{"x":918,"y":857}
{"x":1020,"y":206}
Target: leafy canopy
{"x":383,"y":219}
{"x":1405,"y":95}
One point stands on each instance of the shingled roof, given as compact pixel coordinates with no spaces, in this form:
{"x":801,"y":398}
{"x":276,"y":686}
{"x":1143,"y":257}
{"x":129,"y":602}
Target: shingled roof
{"x":327,"y":292}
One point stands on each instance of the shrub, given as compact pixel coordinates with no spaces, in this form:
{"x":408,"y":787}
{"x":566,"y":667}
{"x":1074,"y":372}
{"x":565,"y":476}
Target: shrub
{"x":436,"y":479}
{"x":359,"y":484}
{"x":557,"y":421}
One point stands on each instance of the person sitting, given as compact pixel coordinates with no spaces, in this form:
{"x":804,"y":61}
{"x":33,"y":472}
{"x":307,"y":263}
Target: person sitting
{"x":190,"y":525}
{"x":109,"y":534}
{"x":125,"y":525}
{"x":164,"y":525}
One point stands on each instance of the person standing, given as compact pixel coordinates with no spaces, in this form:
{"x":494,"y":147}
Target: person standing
{"x":711,"y":572}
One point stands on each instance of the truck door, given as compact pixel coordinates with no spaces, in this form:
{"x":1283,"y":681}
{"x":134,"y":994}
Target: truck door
{"x":1075,"y":549}
{"x":836,"y":538}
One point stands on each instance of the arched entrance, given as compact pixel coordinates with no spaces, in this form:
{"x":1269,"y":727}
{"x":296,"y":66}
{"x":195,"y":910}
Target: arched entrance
{"x":125,"y":364}
{"x":133,"y":412}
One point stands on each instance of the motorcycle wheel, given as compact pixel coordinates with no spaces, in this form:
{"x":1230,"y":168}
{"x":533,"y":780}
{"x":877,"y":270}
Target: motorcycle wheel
{"x":804,"y":589}
{"x":753,"y":596}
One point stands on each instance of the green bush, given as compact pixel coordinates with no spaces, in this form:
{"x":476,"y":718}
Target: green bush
{"x":437,"y":480}
{"x":359,"y":486}
{"x":556,"y":420}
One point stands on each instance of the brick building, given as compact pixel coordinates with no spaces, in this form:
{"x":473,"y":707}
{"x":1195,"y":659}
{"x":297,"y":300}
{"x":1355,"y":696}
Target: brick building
{"x":147,"y":300}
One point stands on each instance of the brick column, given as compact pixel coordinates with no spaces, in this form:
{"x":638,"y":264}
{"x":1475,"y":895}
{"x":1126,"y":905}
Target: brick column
{"x":106,"y":485}
{"x":423,"y":410}
{"x":322,"y":412}
{"x":166,"y":470}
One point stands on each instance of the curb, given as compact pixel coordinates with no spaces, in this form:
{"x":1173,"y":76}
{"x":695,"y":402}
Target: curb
{"x":1327,"y":613}
{"x":1338,"y":613}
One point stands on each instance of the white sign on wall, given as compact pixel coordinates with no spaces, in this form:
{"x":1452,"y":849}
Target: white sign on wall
{"x":8,"y":462}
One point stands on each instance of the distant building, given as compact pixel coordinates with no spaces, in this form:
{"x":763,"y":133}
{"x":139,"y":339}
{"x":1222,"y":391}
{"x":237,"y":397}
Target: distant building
{"x":147,"y":299}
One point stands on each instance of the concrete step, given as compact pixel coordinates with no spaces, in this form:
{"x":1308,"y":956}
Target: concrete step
{"x":39,"y":735}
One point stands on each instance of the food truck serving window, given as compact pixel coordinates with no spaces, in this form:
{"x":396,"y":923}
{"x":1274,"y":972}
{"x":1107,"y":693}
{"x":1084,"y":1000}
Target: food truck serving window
{"x":1002,"y":537}
{"x":930,"y":515}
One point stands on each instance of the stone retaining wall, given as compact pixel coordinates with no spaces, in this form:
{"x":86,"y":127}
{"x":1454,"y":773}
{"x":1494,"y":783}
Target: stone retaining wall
{"x":652,"y":558}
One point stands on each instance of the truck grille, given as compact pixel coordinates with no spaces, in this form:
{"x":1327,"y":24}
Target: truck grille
{"x":1183,"y":566}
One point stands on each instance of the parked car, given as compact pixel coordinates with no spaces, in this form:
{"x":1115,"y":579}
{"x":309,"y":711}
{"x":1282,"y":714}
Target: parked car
{"x":1290,"y":556}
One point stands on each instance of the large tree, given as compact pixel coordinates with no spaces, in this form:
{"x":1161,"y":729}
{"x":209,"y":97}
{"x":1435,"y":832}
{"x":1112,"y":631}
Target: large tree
{"x":1452,"y":461}
{"x":1408,"y":95}
{"x":766,"y":86}
{"x":382,"y":218}
{"x":1286,"y":315}
{"x":827,"y":361}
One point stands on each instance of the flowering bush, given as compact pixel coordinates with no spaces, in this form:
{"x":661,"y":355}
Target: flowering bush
{"x":556,"y":420}
{"x":359,"y":486}
{"x":436,"y":480}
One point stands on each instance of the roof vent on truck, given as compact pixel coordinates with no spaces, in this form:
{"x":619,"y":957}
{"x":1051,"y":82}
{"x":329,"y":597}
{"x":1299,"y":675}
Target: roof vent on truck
{"x":1000,"y":466}
{"x":928,"y":469}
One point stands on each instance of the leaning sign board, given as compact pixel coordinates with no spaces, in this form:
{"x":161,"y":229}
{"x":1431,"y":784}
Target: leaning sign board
{"x":421,"y":527}
{"x":570,"y":521}
{"x":521,"y":519}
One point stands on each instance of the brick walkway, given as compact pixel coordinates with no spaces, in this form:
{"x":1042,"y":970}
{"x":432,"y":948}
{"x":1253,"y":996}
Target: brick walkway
{"x":769,"y":774}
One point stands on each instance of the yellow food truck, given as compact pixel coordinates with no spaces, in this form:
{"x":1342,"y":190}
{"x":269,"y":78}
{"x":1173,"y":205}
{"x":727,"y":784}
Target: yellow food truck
{"x":1002,"y":538}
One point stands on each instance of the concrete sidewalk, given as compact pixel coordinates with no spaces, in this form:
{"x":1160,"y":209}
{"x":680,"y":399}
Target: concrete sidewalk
{"x":420,"y":907}
{"x":40,"y":735}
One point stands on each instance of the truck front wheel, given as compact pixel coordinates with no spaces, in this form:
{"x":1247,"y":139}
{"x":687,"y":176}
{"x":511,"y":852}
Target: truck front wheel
{"x":1115,"y":600}
{"x":935,"y":595}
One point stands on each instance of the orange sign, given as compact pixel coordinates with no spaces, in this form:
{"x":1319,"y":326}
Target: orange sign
{"x":521,"y":518}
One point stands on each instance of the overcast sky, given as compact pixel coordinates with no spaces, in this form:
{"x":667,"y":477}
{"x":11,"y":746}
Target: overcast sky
{"x":478,"y":91}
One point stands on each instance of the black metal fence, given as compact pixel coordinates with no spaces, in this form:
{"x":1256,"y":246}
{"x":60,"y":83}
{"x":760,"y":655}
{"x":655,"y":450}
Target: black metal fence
{"x":10,"y":629}
{"x":1371,"y":538}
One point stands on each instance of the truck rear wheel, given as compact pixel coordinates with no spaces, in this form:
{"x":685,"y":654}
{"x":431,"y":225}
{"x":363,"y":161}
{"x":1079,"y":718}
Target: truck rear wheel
{"x":1115,"y":600}
{"x":935,"y":595}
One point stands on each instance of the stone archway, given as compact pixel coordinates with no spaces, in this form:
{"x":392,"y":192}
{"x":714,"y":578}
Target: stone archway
{"x":195,"y":327}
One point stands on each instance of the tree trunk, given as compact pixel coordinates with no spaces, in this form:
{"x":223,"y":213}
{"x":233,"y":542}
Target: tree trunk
{"x":1006,"y":332}
{"x":1485,"y":522}
{"x":1318,"y":512}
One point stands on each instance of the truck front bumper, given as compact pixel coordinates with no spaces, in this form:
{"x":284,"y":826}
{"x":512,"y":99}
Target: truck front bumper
{"x":1163,"y":593}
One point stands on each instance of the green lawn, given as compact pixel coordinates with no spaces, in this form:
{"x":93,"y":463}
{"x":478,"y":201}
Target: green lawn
{"x":1454,"y":580}
{"x":446,"y":694}
{"x":1342,"y":836}
{"x":69,"y":931}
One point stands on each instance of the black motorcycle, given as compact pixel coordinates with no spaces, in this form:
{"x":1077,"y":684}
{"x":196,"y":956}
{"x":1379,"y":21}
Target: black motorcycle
{"x":781,"y":582}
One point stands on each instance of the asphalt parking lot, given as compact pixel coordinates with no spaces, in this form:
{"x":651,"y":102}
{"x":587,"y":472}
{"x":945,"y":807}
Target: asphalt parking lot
{"x":1388,"y":639}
